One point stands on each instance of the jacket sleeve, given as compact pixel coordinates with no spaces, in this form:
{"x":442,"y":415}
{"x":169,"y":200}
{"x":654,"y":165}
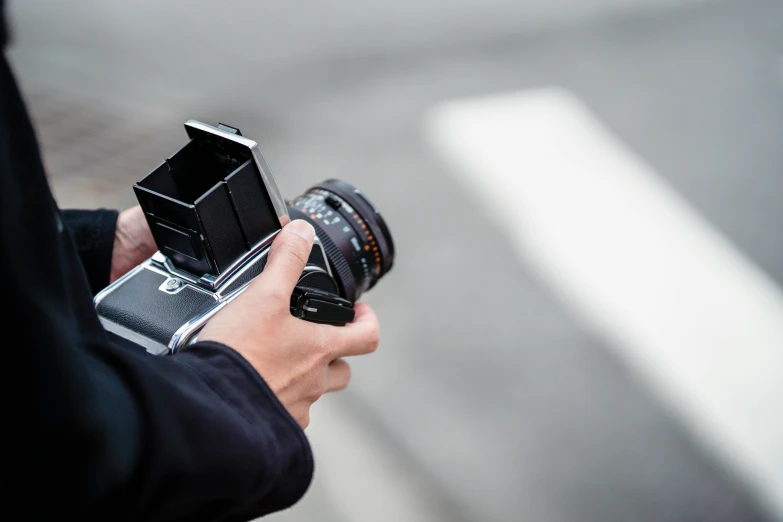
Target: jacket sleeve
{"x":114,"y":434}
{"x":100,"y":432}
{"x":93,"y":236}
{"x":196,"y":436}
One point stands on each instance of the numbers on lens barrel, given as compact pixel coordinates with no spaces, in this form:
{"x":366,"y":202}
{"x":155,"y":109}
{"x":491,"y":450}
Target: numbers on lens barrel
{"x":346,"y":221}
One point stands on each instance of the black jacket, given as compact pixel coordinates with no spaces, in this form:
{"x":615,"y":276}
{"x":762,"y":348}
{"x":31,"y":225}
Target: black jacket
{"x":102,"y":433}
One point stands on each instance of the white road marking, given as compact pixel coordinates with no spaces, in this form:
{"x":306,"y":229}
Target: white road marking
{"x":635,"y":263}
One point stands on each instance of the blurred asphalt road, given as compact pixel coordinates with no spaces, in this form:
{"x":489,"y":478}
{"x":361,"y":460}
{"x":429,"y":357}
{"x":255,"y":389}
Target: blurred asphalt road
{"x":487,"y":400}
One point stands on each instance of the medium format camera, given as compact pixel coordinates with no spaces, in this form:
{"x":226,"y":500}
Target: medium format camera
{"x":214,"y":209}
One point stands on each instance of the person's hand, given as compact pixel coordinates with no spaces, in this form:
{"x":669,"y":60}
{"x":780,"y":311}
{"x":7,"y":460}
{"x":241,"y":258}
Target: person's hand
{"x":300,"y":361}
{"x":133,"y":242}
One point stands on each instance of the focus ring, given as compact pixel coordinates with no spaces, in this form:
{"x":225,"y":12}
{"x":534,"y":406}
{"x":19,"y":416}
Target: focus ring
{"x":345,"y":277}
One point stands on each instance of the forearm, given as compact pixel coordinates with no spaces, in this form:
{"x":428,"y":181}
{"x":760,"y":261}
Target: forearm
{"x":265,"y":453}
{"x":109,"y":244}
{"x":196,"y":436}
{"x":102,"y":433}
{"x":211,"y":425}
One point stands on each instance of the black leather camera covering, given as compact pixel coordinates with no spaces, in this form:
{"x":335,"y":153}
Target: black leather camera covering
{"x":139,"y":306}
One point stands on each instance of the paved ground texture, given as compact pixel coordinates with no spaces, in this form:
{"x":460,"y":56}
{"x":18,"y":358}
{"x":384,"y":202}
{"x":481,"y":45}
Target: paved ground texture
{"x":491,"y":398}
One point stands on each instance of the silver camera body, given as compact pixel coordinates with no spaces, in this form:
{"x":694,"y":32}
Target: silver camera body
{"x":214,"y":209}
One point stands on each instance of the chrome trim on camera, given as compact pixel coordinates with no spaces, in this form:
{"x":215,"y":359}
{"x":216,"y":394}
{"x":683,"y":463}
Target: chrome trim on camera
{"x":153,"y":347}
{"x":187,"y":330}
{"x":240,"y":272}
{"x":209,"y":281}
{"x":215,"y":286}
{"x":278,"y":203}
{"x":163,"y":263}
{"x":152,"y":266}
{"x":212,"y":283}
{"x":315,"y":268}
{"x":240,"y":264}
{"x":185,"y":333}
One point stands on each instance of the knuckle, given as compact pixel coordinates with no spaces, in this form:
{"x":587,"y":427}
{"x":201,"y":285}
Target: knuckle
{"x":324,"y":345}
{"x":315,"y":392}
{"x":346,"y":378}
{"x":373,"y":338}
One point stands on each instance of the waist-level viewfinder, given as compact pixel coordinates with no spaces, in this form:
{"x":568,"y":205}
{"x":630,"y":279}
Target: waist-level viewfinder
{"x":207,"y":205}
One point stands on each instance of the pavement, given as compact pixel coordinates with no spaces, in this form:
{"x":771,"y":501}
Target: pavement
{"x":491,"y":397}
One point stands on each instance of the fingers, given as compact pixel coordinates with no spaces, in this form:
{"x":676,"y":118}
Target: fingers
{"x":365,"y":317}
{"x":357,"y":338}
{"x":364,"y":333}
{"x":287,"y":258}
{"x":338,"y":375}
{"x":133,"y":242}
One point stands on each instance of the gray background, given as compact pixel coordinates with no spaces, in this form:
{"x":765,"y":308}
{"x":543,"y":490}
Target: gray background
{"x":485,"y":401}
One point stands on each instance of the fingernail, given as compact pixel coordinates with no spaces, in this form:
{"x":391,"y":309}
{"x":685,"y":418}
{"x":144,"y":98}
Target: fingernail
{"x":303,"y":229}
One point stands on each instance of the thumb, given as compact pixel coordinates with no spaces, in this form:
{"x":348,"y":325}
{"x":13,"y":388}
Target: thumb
{"x":287,"y":258}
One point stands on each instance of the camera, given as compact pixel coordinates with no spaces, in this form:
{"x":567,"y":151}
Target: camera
{"x":214,"y":209}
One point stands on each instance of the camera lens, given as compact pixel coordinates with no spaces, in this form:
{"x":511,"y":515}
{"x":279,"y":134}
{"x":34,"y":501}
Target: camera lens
{"x":354,"y":235}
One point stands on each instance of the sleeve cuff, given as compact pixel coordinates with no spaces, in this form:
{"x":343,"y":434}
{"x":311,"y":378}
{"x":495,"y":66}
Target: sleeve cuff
{"x":242,"y":388}
{"x":92,"y":232}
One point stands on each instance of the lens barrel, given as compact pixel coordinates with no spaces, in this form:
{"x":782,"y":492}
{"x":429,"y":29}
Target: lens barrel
{"x":354,"y":234}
